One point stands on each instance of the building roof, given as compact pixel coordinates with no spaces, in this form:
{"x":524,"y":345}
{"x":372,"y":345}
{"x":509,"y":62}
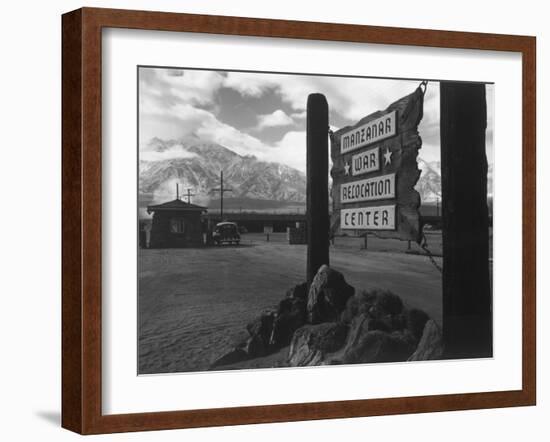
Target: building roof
{"x":176,"y":205}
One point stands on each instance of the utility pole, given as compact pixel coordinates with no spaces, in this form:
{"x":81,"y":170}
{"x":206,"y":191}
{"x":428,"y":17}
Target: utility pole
{"x":467,"y":293}
{"x":222,"y":190}
{"x":317,"y":214}
{"x":189,"y":195}
{"x":177,"y":191}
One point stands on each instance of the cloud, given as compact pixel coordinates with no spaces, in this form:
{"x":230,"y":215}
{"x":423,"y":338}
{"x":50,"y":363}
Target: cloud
{"x":275,"y":119}
{"x":299,"y":115}
{"x":352,"y":98}
{"x":160,"y":118}
{"x":250,"y":84}
{"x":242,"y":143}
{"x":194,"y":87}
{"x":178,"y":103}
{"x":180,"y":120}
{"x":290,"y":150}
{"x":170,"y":108}
{"x":177,"y":85}
{"x":173,"y":152}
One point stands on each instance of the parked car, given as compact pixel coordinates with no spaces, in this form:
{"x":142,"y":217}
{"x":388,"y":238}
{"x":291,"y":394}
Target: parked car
{"x":226,"y":233}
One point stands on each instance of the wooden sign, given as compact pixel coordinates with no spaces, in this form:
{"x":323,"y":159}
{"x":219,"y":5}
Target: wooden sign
{"x":375,"y":170}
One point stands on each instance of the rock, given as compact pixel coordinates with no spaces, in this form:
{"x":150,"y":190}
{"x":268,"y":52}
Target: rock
{"x":359,"y":326}
{"x":299,"y":291}
{"x":262,"y":326}
{"x":385,"y":303}
{"x":239,"y":338}
{"x":290,"y":316}
{"x":411,"y":320}
{"x":369,"y":346}
{"x":415,"y":322}
{"x":378,"y":304}
{"x":385,"y":323}
{"x":311,"y":343}
{"x":255,"y":346}
{"x":291,"y":305}
{"x":327,"y":296}
{"x":236,"y":355}
{"x":431,"y":343}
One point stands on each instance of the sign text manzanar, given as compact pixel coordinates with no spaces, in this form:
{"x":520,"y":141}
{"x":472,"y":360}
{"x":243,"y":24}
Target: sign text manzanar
{"x":368,"y":133}
{"x":375,"y":170}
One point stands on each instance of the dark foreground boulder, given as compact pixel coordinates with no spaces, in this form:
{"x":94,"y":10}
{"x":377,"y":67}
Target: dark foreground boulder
{"x":344,"y":327}
{"x":234,"y":356}
{"x":431,"y":343}
{"x":259,"y":334}
{"x":385,"y":312}
{"x":311,"y":343}
{"x":298,"y":291}
{"x":377,"y":304}
{"x":328,"y":295}
{"x":415,"y":321}
{"x":262,"y":325}
{"x":254,"y":346}
{"x":291,"y":315}
{"x":366,"y":343}
{"x":378,"y":346}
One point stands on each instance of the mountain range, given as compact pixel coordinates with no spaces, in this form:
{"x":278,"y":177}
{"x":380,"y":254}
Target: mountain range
{"x":196,"y":165}
{"x":255,"y":184}
{"x":429,"y":183}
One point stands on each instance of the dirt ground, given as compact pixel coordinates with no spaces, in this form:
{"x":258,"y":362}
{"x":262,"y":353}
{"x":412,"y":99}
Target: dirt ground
{"x":194,"y":304}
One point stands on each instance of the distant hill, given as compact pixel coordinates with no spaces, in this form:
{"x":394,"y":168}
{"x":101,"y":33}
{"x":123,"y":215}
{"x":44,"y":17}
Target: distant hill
{"x":196,"y":164}
{"x":429,"y":183}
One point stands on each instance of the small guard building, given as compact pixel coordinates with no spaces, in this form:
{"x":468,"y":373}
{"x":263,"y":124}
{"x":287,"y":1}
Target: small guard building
{"x":176,"y":224}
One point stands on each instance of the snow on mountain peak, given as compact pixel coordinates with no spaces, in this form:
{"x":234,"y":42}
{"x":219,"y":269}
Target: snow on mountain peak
{"x":196,"y":164}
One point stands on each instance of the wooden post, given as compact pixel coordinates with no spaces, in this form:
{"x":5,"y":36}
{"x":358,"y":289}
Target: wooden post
{"x":221,"y":195}
{"x":189,"y":195}
{"x":317,"y":184}
{"x":221,"y":189}
{"x":467,"y":297}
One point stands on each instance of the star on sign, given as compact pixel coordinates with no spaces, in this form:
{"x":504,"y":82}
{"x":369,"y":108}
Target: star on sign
{"x":346,"y":168}
{"x":387,"y":157}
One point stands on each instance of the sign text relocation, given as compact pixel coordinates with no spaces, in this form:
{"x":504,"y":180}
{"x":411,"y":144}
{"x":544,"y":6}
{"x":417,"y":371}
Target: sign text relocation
{"x":370,"y":189}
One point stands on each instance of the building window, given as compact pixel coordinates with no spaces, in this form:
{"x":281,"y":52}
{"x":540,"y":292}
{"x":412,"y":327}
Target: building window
{"x":177,"y":225}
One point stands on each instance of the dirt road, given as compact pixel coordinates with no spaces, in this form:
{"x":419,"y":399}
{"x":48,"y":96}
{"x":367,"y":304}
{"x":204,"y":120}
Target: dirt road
{"x":194,"y":303}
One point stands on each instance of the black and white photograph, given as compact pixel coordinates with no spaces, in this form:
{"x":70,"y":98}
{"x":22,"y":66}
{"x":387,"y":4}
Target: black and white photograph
{"x":304,"y":220}
{"x":275,"y":221}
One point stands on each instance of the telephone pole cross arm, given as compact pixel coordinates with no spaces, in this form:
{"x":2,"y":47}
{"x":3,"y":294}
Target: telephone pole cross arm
{"x":189,"y":195}
{"x":222,"y":190}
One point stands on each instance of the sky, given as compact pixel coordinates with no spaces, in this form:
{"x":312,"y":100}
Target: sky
{"x":263,"y":114}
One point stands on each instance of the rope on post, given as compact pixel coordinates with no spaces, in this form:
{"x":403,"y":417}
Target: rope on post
{"x":424,"y":246}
